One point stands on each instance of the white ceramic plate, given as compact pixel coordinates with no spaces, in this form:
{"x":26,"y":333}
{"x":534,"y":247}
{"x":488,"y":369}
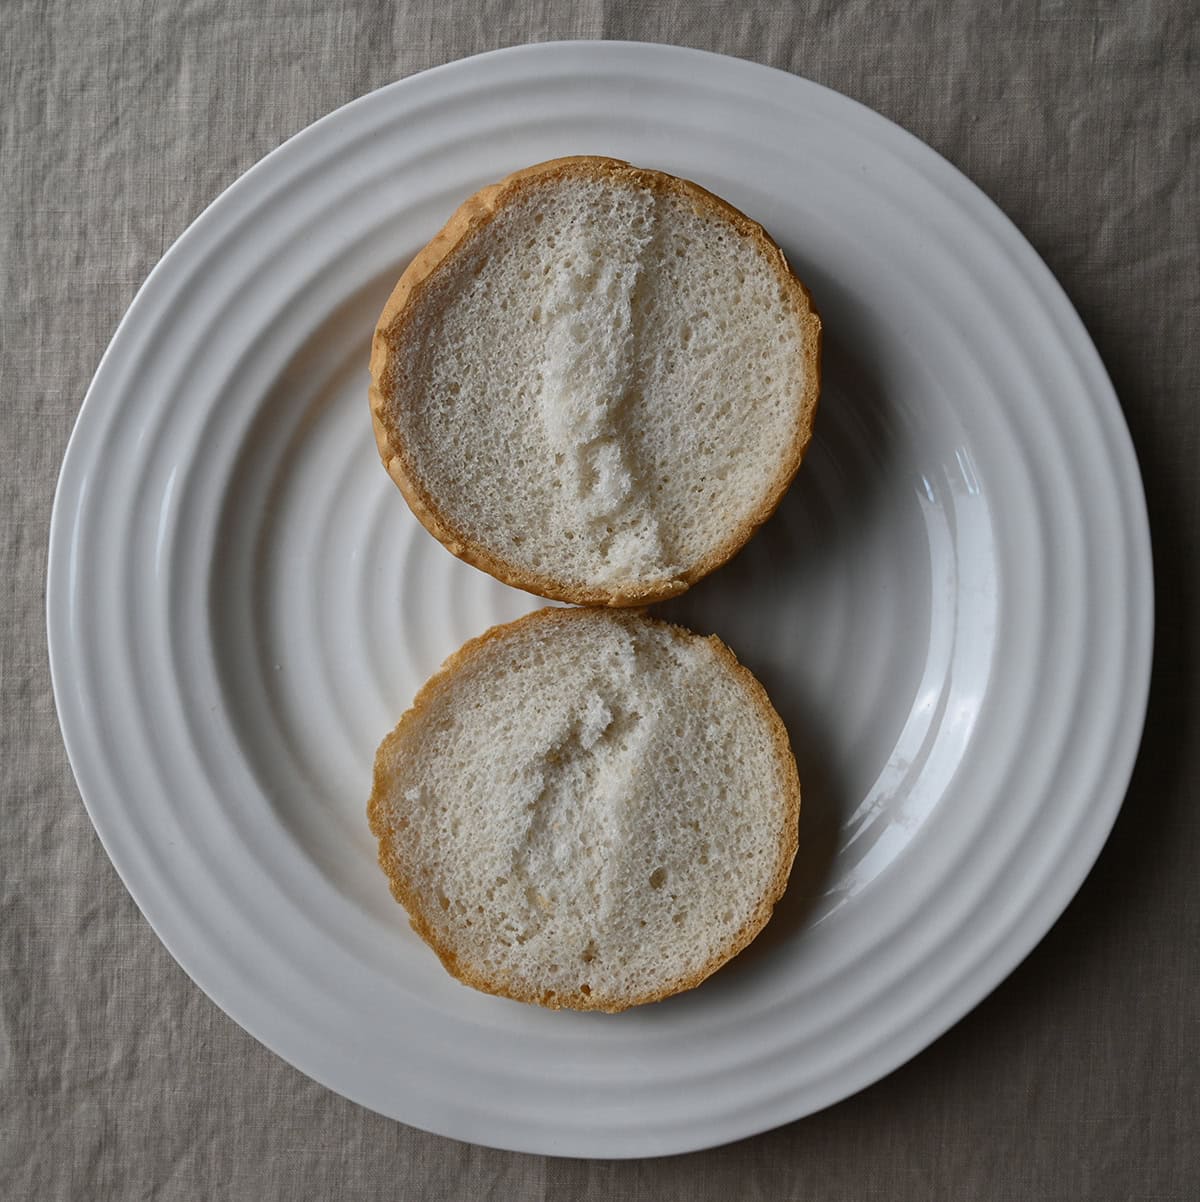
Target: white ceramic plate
{"x":952,"y":609}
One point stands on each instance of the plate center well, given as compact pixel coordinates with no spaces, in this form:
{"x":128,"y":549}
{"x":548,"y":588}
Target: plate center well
{"x":331,"y":605}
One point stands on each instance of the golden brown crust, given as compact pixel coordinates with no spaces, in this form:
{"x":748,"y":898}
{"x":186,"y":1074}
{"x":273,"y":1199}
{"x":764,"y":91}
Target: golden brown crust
{"x":471,"y":216}
{"x":379,"y":816}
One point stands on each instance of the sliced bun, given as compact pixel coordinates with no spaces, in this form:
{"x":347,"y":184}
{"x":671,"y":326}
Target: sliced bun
{"x":596,"y":382}
{"x":587,"y":808}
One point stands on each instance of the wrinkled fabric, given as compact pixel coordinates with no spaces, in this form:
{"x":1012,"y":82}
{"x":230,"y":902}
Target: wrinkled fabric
{"x":119,"y":121}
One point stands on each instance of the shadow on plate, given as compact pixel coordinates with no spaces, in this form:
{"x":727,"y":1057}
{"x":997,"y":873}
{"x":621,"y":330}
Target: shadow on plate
{"x":834,"y":500}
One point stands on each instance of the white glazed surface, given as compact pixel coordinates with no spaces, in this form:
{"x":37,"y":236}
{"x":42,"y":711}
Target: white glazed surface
{"x":952,"y":609}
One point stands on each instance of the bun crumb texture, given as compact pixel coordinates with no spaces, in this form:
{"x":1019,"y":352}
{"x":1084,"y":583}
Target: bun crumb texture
{"x":587,"y":808}
{"x":596,"y":382}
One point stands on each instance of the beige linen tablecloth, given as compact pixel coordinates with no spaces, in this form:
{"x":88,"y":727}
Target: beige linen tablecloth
{"x":119,"y":121}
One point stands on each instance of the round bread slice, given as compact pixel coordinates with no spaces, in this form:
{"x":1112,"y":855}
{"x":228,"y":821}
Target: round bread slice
{"x":587,"y":808}
{"x":596,"y":382}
